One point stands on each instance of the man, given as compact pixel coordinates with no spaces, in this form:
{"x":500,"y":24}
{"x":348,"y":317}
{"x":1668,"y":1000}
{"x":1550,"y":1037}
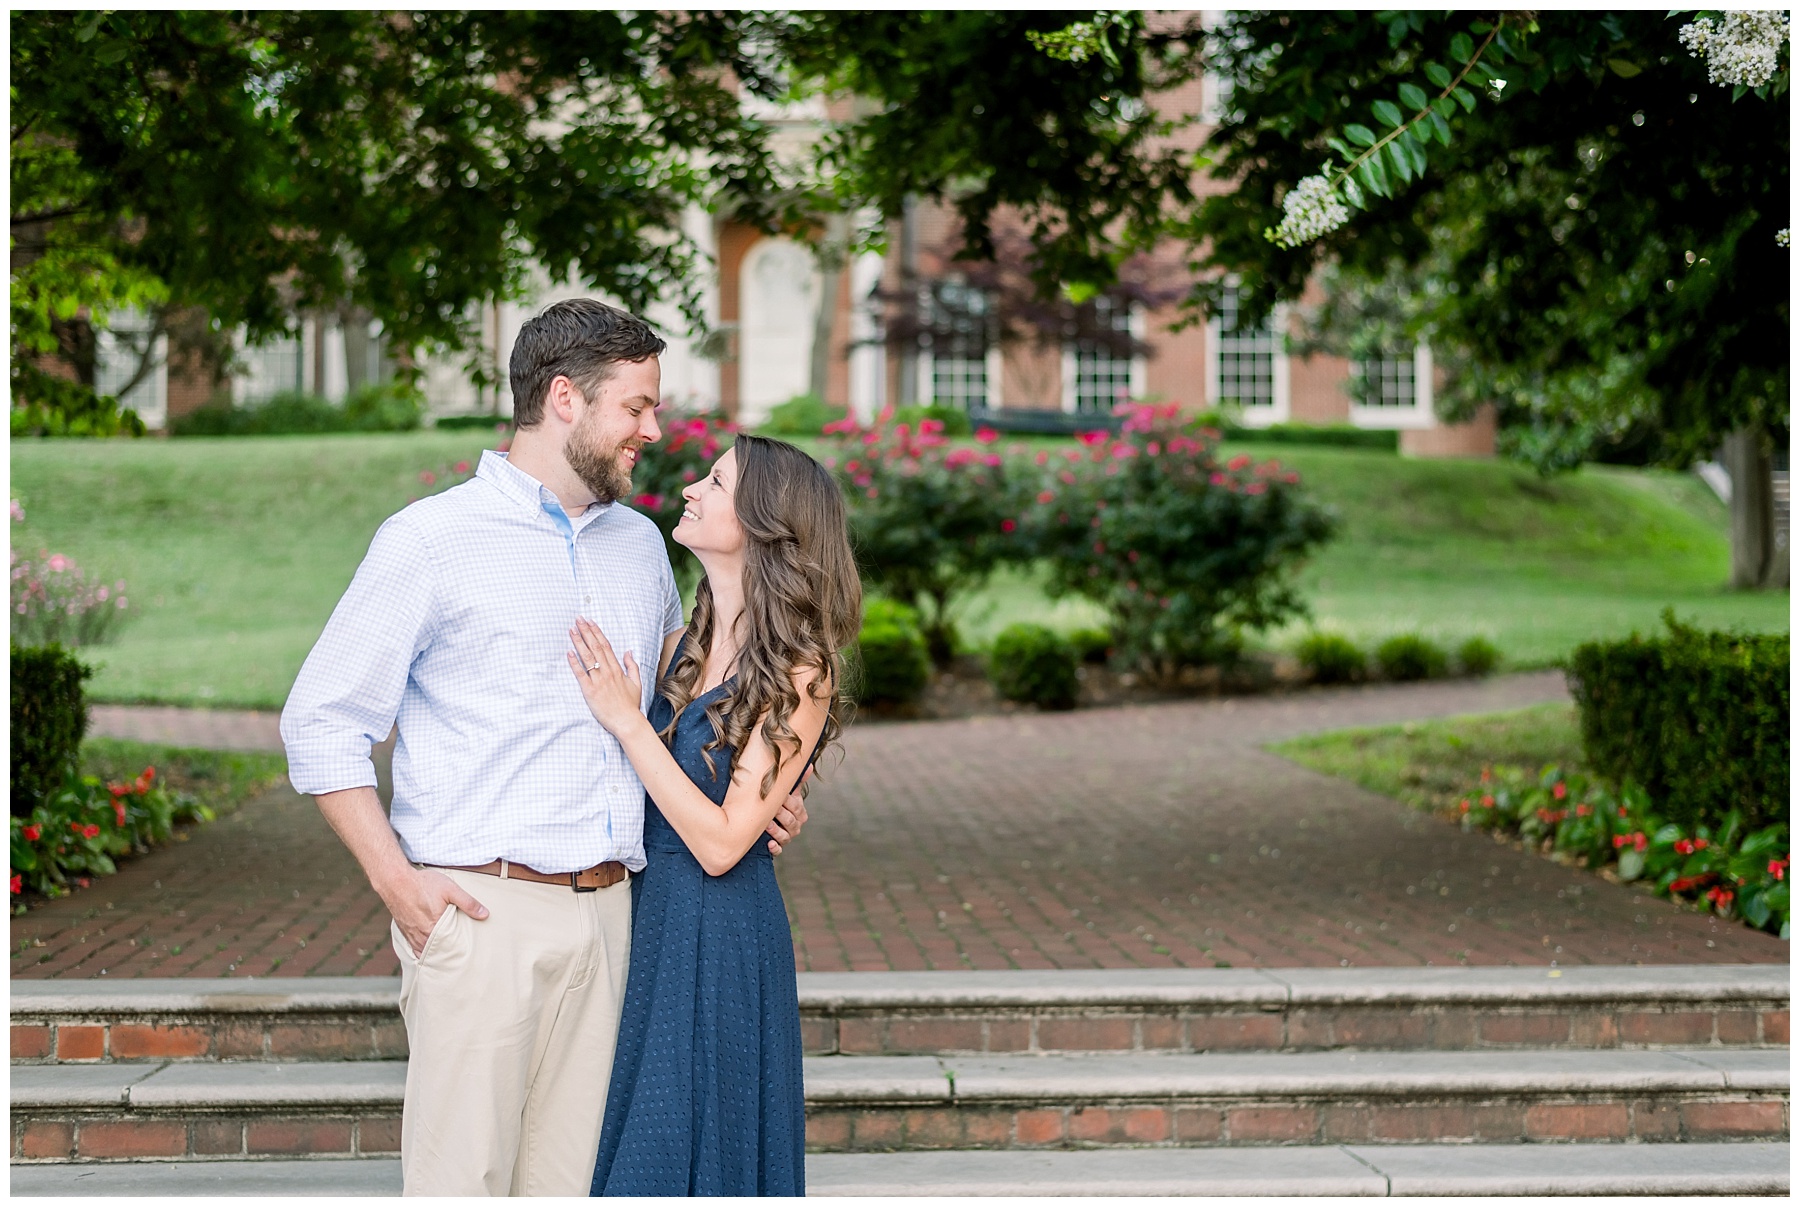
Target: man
{"x":516,"y":819}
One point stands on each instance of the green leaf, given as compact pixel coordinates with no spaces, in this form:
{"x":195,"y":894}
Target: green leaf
{"x":1396,"y":31}
{"x":1738,"y":91}
{"x":1353,"y":193}
{"x":1388,"y":113}
{"x":1415,"y":147}
{"x":1631,"y":864}
{"x":1443,"y":106}
{"x":1361,"y":135}
{"x":1440,"y":127}
{"x":1624,"y":68}
{"x":111,"y":52}
{"x":1462,"y":46}
{"x":1465,"y":98}
{"x":1438,"y":74}
{"x":1412,"y":96}
{"x":1375,"y":176}
{"x":1400,"y":161}
{"x":1341,"y":147}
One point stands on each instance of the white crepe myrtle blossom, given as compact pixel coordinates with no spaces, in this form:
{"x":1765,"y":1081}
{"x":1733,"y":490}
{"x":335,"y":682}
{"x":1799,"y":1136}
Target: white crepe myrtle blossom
{"x":1740,"y":49}
{"x":1781,"y":236}
{"x":1310,"y":209}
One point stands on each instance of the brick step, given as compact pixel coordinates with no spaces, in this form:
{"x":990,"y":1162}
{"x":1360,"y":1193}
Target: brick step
{"x":1362,"y":1171}
{"x":902,"y":1013}
{"x":892,"y":1103}
{"x":880,"y":1103}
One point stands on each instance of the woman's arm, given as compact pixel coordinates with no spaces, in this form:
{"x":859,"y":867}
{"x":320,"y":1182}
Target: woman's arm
{"x":718,"y":836}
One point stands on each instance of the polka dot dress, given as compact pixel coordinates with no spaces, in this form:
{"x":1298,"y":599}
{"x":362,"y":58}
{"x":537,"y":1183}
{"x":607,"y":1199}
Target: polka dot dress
{"x":706,"y":1095}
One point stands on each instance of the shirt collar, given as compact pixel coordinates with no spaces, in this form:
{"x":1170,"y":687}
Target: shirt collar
{"x":527,"y":491}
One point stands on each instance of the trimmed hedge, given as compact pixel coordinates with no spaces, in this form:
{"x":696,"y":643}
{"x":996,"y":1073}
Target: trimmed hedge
{"x":49,"y":719}
{"x":1034,"y":665}
{"x":1406,"y":656}
{"x":1700,"y":719}
{"x":891,"y":663}
{"x":1331,"y":657}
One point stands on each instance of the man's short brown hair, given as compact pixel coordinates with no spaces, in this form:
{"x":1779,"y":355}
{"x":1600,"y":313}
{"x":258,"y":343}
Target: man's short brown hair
{"x":579,"y":339}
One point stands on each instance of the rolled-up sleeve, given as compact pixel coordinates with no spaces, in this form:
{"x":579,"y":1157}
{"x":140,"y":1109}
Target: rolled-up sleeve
{"x":349,"y":690}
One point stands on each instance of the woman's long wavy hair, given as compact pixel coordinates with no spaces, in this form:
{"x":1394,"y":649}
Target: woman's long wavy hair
{"x":802,"y":606}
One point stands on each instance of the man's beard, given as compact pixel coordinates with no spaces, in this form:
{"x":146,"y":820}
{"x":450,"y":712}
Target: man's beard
{"x":596,"y":464}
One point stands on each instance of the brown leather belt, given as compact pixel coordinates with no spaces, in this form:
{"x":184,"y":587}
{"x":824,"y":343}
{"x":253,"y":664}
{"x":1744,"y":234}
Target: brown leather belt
{"x":601,"y":875}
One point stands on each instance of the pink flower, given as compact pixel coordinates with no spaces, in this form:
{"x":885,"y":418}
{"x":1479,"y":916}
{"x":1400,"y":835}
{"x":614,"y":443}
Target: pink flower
{"x":988,"y":435}
{"x":1560,"y":790}
{"x":1042,"y":458}
{"x":840,"y":427}
{"x":1238,"y":462}
{"x":427,"y":477}
{"x":1153,"y":448}
{"x":18,"y":513}
{"x":1255,"y":488}
{"x":1008,"y":525}
{"x":462,"y":467}
{"x":1093,"y":439}
{"x":58,"y":563}
{"x":1046,"y":496}
{"x":991,"y":460}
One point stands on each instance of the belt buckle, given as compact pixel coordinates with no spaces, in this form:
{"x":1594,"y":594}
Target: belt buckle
{"x":576,"y":885}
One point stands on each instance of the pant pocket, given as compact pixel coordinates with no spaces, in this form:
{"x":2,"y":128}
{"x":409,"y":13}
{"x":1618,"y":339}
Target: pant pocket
{"x":432,"y":941}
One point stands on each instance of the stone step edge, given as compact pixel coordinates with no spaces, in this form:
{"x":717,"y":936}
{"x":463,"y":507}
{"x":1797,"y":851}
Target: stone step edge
{"x":1073,"y":988}
{"x":1753,"y":1168}
{"x":910,"y":1080}
{"x":1750,"y":1168}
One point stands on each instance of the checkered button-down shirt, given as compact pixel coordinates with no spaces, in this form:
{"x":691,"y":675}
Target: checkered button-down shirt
{"x":455,"y":627}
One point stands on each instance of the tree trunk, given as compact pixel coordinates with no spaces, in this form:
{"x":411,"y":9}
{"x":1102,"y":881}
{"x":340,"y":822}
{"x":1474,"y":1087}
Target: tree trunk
{"x":831,"y":266}
{"x":1754,"y":563}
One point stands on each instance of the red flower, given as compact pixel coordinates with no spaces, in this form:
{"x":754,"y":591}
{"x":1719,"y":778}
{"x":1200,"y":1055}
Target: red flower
{"x":1721,"y":897}
{"x":1700,"y":844}
{"x":90,"y":831}
{"x":1778,"y":868}
{"x":31,"y":835}
{"x":1684,"y":846}
{"x":17,"y":884}
{"x":1583,"y":810}
{"x":119,"y":812}
{"x":1620,"y":840}
{"x":842,"y":426}
{"x":427,"y":477}
{"x":1690,"y":882}
{"x":1008,"y":525}
{"x":82,"y":881}
{"x":118,"y":790}
{"x":1046,"y":496}
{"x":1238,"y":462}
{"x":462,"y":467}
{"x":1560,"y":790}
{"x":1465,"y":805}
{"x":1487,"y":801}
{"x":1092,"y":439}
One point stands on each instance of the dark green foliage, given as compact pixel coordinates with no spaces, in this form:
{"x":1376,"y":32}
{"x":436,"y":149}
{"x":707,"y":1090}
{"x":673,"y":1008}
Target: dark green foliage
{"x":1334,"y":435}
{"x":1478,"y":656}
{"x":1700,"y":719}
{"x":1331,"y":657}
{"x":458,"y":423}
{"x":801,"y":415}
{"x":891,"y":664}
{"x":1091,"y":645}
{"x":389,"y":407}
{"x":49,"y":719}
{"x":1034,"y":665}
{"x":955,"y":419}
{"x":1407,"y":656}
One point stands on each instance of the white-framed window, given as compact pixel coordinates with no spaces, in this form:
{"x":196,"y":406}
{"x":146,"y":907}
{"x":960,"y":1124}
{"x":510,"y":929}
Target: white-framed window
{"x":1096,"y":377}
{"x":268,"y":368}
{"x":1247,"y":364}
{"x":1392,"y":391}
{"x":959,"y":358}
{"x":119,"y":349}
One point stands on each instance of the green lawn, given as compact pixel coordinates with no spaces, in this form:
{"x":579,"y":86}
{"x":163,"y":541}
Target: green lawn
{"x":1454,"y":548}
{"x":236,"y":549}
{"x":1430,"y":763}
{"x":219,"y":779}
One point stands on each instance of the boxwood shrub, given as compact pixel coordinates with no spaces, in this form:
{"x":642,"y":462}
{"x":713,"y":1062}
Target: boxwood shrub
{"x":1331,"y":657}
{"x":49,"y":719}
{"x":1034,"y":665}
{"x":1478,"y":656}
{"x":1700,"y":719}
{"x":1410,"y":656}
{"x":891,"y":663}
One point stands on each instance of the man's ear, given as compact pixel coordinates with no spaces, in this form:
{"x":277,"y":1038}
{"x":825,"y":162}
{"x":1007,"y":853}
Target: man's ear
{"x":561,"y":398}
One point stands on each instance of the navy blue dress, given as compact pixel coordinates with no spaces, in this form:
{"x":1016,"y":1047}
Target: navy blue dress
{"x":706,"y":1095}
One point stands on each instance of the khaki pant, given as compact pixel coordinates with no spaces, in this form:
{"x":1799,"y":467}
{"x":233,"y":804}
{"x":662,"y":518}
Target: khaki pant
{"x":512,"y":1023}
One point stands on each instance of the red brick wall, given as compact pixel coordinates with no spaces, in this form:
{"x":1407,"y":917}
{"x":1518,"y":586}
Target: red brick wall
{"x":1472,"y":439}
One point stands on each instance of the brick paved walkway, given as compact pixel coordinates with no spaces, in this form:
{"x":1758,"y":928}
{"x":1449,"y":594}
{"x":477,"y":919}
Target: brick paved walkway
{"x":1134,"y":837}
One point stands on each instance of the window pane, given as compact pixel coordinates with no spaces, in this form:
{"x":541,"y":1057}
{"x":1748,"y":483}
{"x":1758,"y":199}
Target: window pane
{"x":958,"y":341}
{"x":1102,"y":376}
{"x":1246,"y":357}
{"x":1385,"y":381}
{"x":270,"y":368}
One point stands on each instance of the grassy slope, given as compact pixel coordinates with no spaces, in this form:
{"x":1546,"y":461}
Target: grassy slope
{"x":1430,"y":763}
{"x":1452,"y":548}
{"x":236,"y":549}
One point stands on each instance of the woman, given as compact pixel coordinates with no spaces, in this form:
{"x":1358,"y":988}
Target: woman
{"x":706,"y":1096}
